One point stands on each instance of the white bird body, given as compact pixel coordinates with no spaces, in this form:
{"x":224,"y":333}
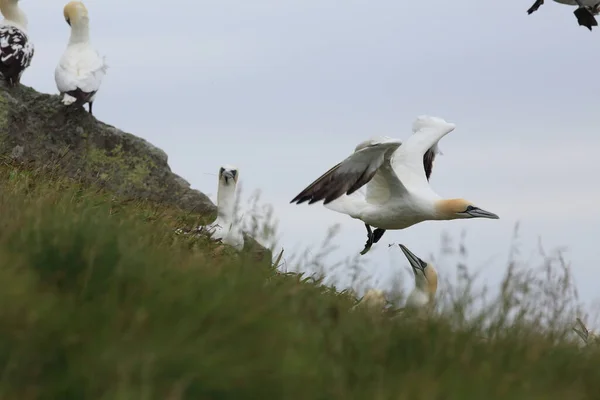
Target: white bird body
{"x":226,"y":227}
{"x":395,"y":176}
{"x":417,"y":298}
{"x":81,"y":69}
{"x":16,"y":50}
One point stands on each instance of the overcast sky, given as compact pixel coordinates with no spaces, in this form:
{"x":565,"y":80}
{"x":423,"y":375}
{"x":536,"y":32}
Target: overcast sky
{"x":285,"y":89}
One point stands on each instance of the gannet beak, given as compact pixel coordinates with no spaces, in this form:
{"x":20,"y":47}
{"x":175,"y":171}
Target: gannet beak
{"x":476,"y":212}
{"x":228,"y":175}
{"x":415,"y":262}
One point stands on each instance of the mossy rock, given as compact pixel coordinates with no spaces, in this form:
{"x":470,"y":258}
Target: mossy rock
{"x":37,"y":129}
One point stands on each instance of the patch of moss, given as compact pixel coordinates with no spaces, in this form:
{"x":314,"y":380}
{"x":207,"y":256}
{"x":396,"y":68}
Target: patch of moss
{"x":120,"y":168}
{"x":3,"y":114}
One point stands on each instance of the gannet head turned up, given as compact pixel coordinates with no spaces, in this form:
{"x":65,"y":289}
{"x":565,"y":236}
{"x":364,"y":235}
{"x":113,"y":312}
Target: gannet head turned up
{"x":461,"y":209}
{"x":228,"y":175}
{"x":426,"y":280}
{"x":75,"y":13}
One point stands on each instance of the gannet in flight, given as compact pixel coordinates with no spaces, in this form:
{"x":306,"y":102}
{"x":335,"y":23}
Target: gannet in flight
{"x":396,"y":176}
{"x":226,"y":228}
{"x":426,"y":281}
{"x":81,"y":69}
{"x":16,"y":50}
{"x":585,"y":11}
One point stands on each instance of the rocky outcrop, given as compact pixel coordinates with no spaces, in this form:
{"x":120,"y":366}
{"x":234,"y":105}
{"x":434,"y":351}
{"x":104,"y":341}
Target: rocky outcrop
{"x":37,"y":130}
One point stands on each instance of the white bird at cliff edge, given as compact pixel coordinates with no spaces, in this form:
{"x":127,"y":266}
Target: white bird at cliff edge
{"x":396,"y":175}
{"x":16,"y":50}
{"x":226,"y":227}
{"x":586,"y":9}
{"x":426,"y":281}
{"x":81,"y":69}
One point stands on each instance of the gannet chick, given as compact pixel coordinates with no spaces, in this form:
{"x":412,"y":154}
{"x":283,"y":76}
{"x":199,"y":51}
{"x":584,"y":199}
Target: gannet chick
{"x":16,"y":50}
{"x":81,"y":69}
{"x":426,"y":280}
{"x":585,"y":11}
{"x":396,"y":175}
{"x":226,"y":228}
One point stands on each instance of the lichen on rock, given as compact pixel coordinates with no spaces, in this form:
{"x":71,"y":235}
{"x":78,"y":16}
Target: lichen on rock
{"x":36,"y":129}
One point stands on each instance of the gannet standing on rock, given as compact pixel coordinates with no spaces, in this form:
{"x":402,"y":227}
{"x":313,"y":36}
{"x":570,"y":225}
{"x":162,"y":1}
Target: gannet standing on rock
{"x":586,"y":9}
{"x":426,"y":280}
{"x":16,"y":50}
{"x":81,"y":69}
{"x":226,"y":228}
{"x":396,"y":175}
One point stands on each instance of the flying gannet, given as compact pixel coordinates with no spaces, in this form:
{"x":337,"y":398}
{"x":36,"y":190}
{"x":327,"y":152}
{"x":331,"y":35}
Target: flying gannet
{"x":426,"y":280}
{"x":396,"y":175}
{"x":16,"y":50}
{"x":226,"y":228}
{"x":586,"y":9}
{"x":80,"y":71}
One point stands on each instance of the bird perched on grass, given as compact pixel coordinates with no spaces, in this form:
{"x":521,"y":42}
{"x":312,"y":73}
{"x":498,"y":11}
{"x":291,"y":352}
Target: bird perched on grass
{"x":396,"y":176}
{"x":81,"y":69}
{"x":585,"y":12}
{"x":426,"y":281}
{"x":16,"y":50}
{"x":226,"y":227}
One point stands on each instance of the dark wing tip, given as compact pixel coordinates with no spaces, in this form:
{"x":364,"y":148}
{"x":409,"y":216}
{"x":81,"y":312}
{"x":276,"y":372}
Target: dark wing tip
{"x":428,"y":158}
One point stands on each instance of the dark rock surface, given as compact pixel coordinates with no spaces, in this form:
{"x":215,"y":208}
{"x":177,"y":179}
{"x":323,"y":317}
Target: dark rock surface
{"x":37,"y":129}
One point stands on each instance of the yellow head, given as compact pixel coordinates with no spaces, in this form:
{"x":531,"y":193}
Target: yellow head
{"x":426,"y":278}
{"x":460,"y":209}
{"x":75,"y":12}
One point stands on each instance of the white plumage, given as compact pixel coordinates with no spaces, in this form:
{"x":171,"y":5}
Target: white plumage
{"x":396,"y":176}
{"x":226,"y":227}
{"x":16,"y":50}
{"x":81,"y":69}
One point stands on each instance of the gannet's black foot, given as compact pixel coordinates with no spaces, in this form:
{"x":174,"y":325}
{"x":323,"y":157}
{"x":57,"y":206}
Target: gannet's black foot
{"x":370,"y":240}
{"x":90,"y":107}
{"x":372,"y":237}
{"x":377,"y":234}
{"x":585,"y":17}
{"x":535,"y":6}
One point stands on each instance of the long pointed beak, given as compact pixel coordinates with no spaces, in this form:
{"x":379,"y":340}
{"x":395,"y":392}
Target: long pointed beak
{"x":228,"y":176}
{"x":415,"y":262}
{"x":479,"y":213}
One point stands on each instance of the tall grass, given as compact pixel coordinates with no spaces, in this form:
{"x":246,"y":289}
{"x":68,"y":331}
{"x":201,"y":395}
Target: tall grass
{"x":99,"y":299}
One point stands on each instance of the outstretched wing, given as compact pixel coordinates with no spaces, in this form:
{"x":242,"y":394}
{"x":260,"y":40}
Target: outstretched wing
{"x":414,"y":160}
{"x":351,"y":174}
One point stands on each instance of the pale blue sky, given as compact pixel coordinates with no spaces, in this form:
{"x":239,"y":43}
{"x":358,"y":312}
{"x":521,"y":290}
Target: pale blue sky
{"x":285,"y":89}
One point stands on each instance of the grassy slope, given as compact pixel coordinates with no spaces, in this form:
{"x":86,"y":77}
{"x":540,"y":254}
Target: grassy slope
{"x":100,"y":300}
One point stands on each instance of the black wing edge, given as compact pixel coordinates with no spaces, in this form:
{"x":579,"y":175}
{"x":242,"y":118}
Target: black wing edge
{"x":325,"y":189}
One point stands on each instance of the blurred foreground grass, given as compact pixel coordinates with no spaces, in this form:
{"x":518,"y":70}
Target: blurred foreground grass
{"x":99,"y":299}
